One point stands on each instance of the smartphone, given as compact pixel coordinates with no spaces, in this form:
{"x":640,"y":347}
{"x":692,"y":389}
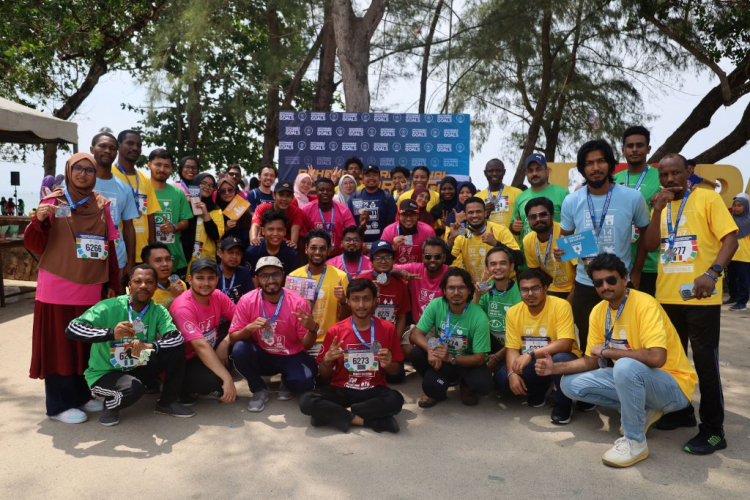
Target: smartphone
{"x":686,"y":291}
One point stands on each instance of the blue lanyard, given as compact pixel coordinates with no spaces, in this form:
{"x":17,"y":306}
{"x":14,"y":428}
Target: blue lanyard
{"x":224,"y":282}
{"x":77,"y":204}
{"x":672,"y":233}
{"x":162,"y":287}
{"x":137,"y":189}
{"x":598,"y":228}
{"x":639,"y":181}
{"x":140,"y":314}
{"x":372,"y":332}
{"x":333,"y":215}
{"x":346,"y":269}
{"x":398,"y":230}
{"x":448,"y":333}
{"x":278,"y":307}
{"x":546,"y":252}
{"x":317,"y":288}
{"x":493,"y":290}
{"x":607,"y":330}
{"x":484,"y":229}
{"x":499,"y":192}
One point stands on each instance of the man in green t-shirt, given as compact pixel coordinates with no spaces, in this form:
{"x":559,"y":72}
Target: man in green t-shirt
{"x":132,"y":339}
{"x":636,"y":146}
{"x":496,"y":297}
{"x":459,"y":348}
{"x":175,"y":214}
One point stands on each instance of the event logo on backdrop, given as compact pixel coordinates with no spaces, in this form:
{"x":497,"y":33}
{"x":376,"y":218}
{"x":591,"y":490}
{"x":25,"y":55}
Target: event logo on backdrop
{"x":325,"y":140}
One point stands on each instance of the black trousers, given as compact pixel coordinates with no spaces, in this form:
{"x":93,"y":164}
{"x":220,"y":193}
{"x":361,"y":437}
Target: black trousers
{"x":64,"y":392}
{"x":122,"y":389}
{"x":328,"y":404}
{"x":701,"y":325}
{"x":199,"y":379}
{"x":648,"y":283}
{"x":435,"y":383}
{"x":584,"y":300}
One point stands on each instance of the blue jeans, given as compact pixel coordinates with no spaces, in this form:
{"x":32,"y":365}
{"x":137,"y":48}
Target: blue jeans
{"x":630,"y":386}
{"x":298,"y":371}
{"x":536,"y":386}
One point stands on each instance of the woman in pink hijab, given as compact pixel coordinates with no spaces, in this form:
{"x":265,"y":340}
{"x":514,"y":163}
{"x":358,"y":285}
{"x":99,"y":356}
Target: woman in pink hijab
{"x":303,"y":184}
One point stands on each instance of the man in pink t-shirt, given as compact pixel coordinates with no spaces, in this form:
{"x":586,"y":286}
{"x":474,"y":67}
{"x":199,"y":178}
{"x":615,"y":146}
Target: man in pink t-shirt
{"x":271,"y":333}
{"x":329,"y":215}
{"x":352,"y":261}
{"x":197,"y":314}
{"x":408,"y":234}
{"x":424,"y":278}
{"x":283,"y":195}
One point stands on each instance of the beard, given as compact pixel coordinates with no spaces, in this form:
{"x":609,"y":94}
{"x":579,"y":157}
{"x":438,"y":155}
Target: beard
{"x":352,"y":256}
{"x":597,"y":184}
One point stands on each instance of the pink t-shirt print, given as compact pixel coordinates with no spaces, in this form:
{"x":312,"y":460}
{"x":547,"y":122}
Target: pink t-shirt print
{"x":409,"y":253}
{"x":196,"y":321}
{"x":422,"y":290}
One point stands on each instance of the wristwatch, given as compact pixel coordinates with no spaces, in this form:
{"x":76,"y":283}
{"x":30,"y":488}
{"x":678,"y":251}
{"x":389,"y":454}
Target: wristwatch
{"x":717,"y":269}
{"x":453,"y":360}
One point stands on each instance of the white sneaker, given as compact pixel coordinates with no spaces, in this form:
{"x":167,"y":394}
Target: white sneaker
{"x":72,"y":416}
{"x":652,"y":416}
{"x":284,"y":394}
{"x":625,"y":452}
{"x":93,"y":405}
{"x":258,"y":401}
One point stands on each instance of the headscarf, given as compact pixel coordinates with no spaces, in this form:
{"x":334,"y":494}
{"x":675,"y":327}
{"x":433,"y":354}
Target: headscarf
{"x":59,"y":179}
{"x":242,"y":229}
{"x":188,"y":236}
{"x":208,"y":200}
{"x":302,"y":199}
{"x":445,"y":206}
{"x":742,"y":221}
{"x":424,"y":215}
{"x":181,"y":166}
{"x":47,"y":186}
{"x":341,"y":197}
{"x":60,"y":255}
{"x":459,"y":206}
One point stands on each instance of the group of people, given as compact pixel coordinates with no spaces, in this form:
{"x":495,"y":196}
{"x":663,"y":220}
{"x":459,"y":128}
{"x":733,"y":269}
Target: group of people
{"x":337,"y":290}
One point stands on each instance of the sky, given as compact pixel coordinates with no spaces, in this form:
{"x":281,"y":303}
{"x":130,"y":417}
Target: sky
{"x":103,"y":109}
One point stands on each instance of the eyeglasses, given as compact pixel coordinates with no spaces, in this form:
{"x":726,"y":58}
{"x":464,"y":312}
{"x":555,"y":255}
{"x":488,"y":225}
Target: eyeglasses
{"x":382,"y":258}
{"x":352,"y":240}
{"x":409,"y":214}
{"x":539,"y":215}
{"x":430,"y":256}
{"x":86,"y":170}
{"x":275,"y":276}
{"x":225,"y":191}
{"x":456,"y":289}
{"x":318,"y":249}
{"x":194,"y":168}
{"x":209,"y":185}
{"x":529,"y":291}
{"x":611,"y":280}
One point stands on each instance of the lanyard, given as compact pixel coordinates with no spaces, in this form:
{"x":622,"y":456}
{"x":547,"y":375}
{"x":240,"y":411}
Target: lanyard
{"x":140,"y":314}
{"x":607,"y":330}
{"x":80,"y":202}
{"x":546,"y":252}
{"x":598,"y":228}
{"x":162,"y":287}
{"x":484,"y":229}
{"x":224,"y":282}
{"x":184,"y":186}
{"x":278,"y":307}
{"x":137,"y":189}
{"x":639,"y":181}
{"x":346,"y":268}
{"x":672,"y":233}
{"x":492,"y":197}
{"x":494,"y":291}
{"x":317,"y":288}
{"x":372,"y":332}
{"x":333,"y":214}
{"x":448,"y":330}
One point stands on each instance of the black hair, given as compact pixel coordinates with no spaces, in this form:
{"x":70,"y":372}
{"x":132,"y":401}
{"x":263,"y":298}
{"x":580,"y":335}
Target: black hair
{"x":160,"y":153}
{"x":272,"y":215}
{"x":122,"y":135}
{"x":361,"y":284}
{"x":423,"y":168}
{"x":434,"y":241}
{"x":607,"y":262}
{"x":496,"y":160}
{"x":356,"y":160}
{"x":351,"y":229}
{"x":637,"y":130}
{"x":461,"y":273}
{"x":401,"y":169}
{"x":538,"y":274}
{"x":234,"y":166}
{"x":254,"y":183}
{"x":146,"y":267}
{"x":539,"y":201}
{"x":596,"y":145}
{"x":101,"y":134}
{"x":474,"y":199}
{"x":691,"y":163}
{"x":146,"y":251}
{"x":268,"y":165}
{"x":185,"y":159}
{"x":323,"y":180}
{"x":669,"y":156}
{"x":318,"y":233}
{"x":513,"y":255}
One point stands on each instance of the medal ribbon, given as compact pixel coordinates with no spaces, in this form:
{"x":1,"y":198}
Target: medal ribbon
{"x":546,"y":252}
{"x":137,"y":189}
{"x":639,"y":181}
{"x":672,"y":232}
{"x":346,"y":268}
{"x":317,"y":288}
{"x":448,"y":330}
{"x":278,"y":307}
{"x":598,"y":228}
{"x":333,"y":214}
{"x":471,"y":233}
{"x":77,"y":204}
{"x":140,"y":314}
{"x":372,"y":332}
{"x":224,"y":282}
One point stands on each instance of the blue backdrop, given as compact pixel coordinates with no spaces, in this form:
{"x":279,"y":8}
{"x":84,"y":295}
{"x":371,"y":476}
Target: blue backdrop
{"x":326,"y":140}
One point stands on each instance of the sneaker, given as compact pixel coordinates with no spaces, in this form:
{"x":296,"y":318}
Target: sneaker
{"x":625,"y":452}
{"x":108,"y":418}
{"x":152,"y":386}
{"x":585,"y":407}
{"x":258,"y":401}
{"x":187,"y":400}
{"x":738,"y":307}
{"x":705,"y":443}
{"x":561,"y":416}
{"x":680,"y":418}
{"x":174,"y":409}
{"x":315,"y":422}
{"x":729,"y":301}
{"x":92,"y":405}
{"x":385,"y":424}
{"x":468,"y":397}
{"x":652,"y":416}
{"x":537,"y":403}
{"x":427,"y":402}
{"x":71,"y":416}
{"x":284,"y":394}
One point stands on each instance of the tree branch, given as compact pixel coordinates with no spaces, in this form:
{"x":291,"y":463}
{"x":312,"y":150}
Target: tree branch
{"x":734,"y":141}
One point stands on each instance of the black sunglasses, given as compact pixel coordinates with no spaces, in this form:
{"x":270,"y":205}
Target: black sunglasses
{"x":611,"y":280}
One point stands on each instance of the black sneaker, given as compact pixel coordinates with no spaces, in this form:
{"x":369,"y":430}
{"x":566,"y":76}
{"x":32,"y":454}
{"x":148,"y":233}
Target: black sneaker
{"x":108,"y":418}
{"x":538,"y":402}
{"x":705,"y":443}
{"x":561,"y":416}
{"x":174,"y":409}
{"x":315,"y":422}
{"x":153,"y":386}
{"x":187,"y":400}
{"x":385,"y":424}
{"x":680,"y":418}
{"x":585,"y":407}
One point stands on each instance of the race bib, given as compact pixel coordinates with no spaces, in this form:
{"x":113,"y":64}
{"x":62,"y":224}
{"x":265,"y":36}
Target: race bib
{"x":685,"y":250}
{"x":198,"y":249}
{"x":210,"y":337}
{"x":621,"y":344}
{"x":386,"y":312}
{"x":456,"y":343}
{"x":360,"y":360}
{"x":91,"y":246}
{"x":531,"y":344}
{"x":142,"y":202}
{"x":164,"y":237}
{"x":121,"y":359}
{"x":502,"y":204}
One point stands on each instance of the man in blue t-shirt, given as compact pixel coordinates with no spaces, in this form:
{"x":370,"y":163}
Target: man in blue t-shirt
{"x":263,"y":193}
{"x":616,"y":209}
{"x":379,"y":205}
{"x":273,"y":230}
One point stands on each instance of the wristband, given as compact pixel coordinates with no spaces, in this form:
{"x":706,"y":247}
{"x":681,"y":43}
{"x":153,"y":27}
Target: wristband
{"x":494,"y":356}
{"x":511,"y":373}
{"x":532,"y":355}
{"x":601,"y":353}
{"x":716,"y":280}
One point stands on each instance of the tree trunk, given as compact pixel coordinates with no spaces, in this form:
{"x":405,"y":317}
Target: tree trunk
{"x":734,"y":141}
{"x":326,"y":85}
{"x":50,"y":159}
{"x":270,"y":134}
{"x":353,"y":35}
{"x":426,"y":57}
{"x":194,"y":113}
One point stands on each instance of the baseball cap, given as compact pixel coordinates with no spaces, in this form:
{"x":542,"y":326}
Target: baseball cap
{"x":283,"y":186}
{"x":536,"y":157}
{"x":371,"y":168}
{"x":381,"y":245}
{"x":268,"y":261}
{"x":202,"y":264}
{"x":230,"y":242}
{"x":408,"y":206}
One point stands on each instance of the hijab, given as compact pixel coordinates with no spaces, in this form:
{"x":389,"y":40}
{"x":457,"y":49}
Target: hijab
{"x":459,"y":206}
{"x":60,"y":256}
{"x":181,"y":166}
{"x":742,"y":221}
{"x":242,"y":229}
{"x":208,"y":200}
{"x":424,"y":215}
{"x":445,"y":206}
{"x":47,"y":186}
{"x":302,"y":199}
{"x":341,"y":197}
{"x":188,"y":236}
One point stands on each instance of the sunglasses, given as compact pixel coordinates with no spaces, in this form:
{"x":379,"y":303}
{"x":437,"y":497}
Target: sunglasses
{"x":430,"y":256}
{"x":540,"y":215}
{"x":611,"y":280}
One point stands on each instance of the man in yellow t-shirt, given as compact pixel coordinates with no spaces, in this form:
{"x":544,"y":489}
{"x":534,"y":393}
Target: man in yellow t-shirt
{"x":330,"y":304}
{"x":539,"y":245}
{"x":168,"y":285}
{"x":539,"y":326}
{"x":500,"y":199}
{"x":651,"y":372}
{"x":470,"y":245}
{"x":129,"y":151}
{"x":420,"y":176}
{"x":696,"y":238}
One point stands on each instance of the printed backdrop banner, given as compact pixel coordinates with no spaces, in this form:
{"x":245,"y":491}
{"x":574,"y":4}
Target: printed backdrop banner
{"x":326,"y":140}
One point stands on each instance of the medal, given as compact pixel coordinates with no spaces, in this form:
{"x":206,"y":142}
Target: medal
{"x":373,"y":343}
{"x":608,"y":331}
{"x":174,"y":279}
{"x":267,"y":334}
{"x":462,"y":231}
{"x":138,"y":325}
{"x":408,"y":239}
{"x":382,"y":278}
{"x":432,"y":342}
{"x":62,"y":210}
{"x":375,"y":346}
{"x":483,"y":286}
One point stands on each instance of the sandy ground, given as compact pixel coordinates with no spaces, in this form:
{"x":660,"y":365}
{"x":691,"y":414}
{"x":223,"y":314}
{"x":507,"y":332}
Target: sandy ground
{"x":501,"y":448}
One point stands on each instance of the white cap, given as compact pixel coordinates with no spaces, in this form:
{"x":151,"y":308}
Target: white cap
{"x":268,"y":261}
